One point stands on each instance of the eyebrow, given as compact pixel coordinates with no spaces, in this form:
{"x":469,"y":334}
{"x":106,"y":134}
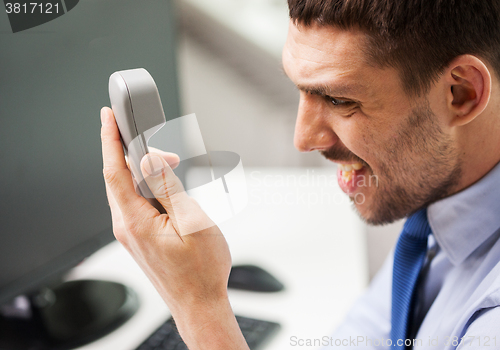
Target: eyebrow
{"x":334,"y":90}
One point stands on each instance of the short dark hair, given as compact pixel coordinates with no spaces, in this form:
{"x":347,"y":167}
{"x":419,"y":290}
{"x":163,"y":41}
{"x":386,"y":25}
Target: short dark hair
{"x":418,"y":37}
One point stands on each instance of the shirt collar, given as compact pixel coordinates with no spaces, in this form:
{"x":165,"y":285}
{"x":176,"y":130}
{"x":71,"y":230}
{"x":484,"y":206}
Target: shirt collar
{"x":462,"y":222}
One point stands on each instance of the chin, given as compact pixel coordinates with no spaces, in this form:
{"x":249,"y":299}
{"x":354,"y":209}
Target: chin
{"x":372,"y":211}
{"x":364,"y":211}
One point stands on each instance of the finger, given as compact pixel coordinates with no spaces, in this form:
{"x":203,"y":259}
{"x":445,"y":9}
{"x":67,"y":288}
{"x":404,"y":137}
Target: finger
{"x":133,"y":179}
{"x":116,"y":216}
{"x":112,"y":149}
{"x":115,"y":209}
{"x":164,"y":185}
{"x":162,"y":181}
{"x":184,"y":212}
{"x":172,"y":159}
{"x":116,"y":173}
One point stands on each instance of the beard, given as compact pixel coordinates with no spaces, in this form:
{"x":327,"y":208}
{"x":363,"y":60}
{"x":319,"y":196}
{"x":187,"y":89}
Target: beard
{"x":417,"y":168}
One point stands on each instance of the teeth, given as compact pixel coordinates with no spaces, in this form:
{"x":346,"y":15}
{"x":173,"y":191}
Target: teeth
{"x":350,"y":167}
{"x":357,"y":166}
{"x":347,"y":170}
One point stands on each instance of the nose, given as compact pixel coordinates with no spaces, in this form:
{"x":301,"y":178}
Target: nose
{"x":313,"y":129}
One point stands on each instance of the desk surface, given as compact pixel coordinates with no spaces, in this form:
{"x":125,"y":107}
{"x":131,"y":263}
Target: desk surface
{"x":299,"y":226}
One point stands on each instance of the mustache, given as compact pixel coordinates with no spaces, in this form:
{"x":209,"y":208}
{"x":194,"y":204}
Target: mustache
{"x":341,"y":155}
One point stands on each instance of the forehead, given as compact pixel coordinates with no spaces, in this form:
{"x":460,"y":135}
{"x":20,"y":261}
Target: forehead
{"x":319,"y":55}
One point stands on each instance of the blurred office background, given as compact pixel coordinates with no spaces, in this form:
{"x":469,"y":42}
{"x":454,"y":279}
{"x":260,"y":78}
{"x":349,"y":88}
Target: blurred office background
{"x":230,"y":75}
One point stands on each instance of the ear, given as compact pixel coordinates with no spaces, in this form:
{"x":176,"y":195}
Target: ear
{"x":468,"y":82}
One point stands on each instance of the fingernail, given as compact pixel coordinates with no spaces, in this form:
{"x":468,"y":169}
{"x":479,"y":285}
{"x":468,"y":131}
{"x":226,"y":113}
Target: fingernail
{"x":104,"y":116}
{"x":153,"y":165}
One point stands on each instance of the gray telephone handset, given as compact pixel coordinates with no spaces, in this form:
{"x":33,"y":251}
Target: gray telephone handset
{"x":139,"y":114}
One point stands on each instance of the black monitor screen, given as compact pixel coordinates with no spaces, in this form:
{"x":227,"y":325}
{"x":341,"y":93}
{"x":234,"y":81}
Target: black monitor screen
{"x":53,"y":81}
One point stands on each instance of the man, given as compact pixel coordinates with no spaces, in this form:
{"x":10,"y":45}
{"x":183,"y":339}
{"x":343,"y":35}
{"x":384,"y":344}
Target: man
{"x":406,"y":91}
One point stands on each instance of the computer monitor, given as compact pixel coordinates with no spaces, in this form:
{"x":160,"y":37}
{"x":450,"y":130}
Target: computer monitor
{"x":54,"y":75}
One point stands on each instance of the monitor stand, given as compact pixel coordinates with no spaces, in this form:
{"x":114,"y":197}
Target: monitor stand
{"x":70,"y":315}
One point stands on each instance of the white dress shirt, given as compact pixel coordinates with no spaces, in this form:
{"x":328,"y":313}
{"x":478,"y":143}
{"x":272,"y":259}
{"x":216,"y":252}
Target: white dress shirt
{"x":458,"y":299}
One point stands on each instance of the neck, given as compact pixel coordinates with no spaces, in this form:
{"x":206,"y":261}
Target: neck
{"x":480,"y":149}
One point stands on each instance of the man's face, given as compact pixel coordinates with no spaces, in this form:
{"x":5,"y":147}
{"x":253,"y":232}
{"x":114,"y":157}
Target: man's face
{"x":394,"y":154}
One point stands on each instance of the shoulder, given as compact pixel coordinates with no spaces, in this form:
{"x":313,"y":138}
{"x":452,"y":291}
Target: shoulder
{"x":482,"y":331}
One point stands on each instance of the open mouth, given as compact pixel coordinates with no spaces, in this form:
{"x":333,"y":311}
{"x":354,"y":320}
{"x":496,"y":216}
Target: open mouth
{"x":350,"y":176}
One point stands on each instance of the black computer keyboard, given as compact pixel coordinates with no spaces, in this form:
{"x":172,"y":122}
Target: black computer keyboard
{"x":256,"y":332}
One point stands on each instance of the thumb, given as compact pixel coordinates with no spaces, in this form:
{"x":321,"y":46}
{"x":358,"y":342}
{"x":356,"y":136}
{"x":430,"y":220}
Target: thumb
{"x":187,"y":216}
{"x":163,"y":183}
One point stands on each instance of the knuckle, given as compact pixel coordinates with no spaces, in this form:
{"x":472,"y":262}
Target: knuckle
{"x":173,"y":186}
{"x":105,"y":139}
{"x":110,"y":175}
{"x":119,"y":235}
{"x":167,"y":188}
{"x":170,"y":188}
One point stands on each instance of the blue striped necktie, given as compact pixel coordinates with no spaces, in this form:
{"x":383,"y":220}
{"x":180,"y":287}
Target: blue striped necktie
{"x":409,"y":258}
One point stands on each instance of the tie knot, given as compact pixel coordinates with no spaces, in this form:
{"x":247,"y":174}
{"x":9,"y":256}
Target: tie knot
{"x":417,"y":226}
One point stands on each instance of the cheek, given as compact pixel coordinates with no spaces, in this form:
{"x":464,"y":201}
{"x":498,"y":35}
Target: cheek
{"x":364,"y":138}
{"x":438,"y":105}
{"x":378,"y":135}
